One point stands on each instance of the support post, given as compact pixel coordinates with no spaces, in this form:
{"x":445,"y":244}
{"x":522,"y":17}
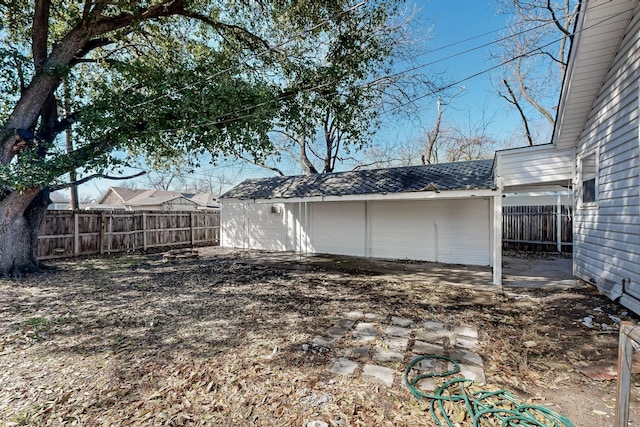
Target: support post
{"x":558,"y":224}
{"x":497,"y":234}
{"x":628,"y":333}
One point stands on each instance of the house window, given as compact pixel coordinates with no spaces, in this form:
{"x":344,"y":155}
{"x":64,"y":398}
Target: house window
{"x":589,"y":178}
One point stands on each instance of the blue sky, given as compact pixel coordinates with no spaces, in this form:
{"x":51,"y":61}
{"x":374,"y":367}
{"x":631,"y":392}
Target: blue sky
{"x":451,"y":22}
{"x":440,"y":24}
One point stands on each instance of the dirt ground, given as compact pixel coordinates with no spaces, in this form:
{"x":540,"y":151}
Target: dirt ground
{"x":133,"y":340}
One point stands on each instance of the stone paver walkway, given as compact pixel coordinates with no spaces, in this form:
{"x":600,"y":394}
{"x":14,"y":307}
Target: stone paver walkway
{"x":378,"y":348}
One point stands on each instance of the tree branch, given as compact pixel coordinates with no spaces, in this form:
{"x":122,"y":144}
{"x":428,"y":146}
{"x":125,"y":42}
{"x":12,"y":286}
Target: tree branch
{"x":555,"y":19}
{"x":528,"y":97}
{"x":514,"y":101}
{"x":260,"y":164}
{"x":40,"y":33}
{"x":90,"y":177}
{"x":88,"y":47}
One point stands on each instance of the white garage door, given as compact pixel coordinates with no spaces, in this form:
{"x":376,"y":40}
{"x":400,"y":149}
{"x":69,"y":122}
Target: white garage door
{"x":449,"y":231}
{"x":338,"y":228}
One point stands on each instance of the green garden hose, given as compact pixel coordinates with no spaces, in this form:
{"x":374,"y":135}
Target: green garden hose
{"x":482,"y":407}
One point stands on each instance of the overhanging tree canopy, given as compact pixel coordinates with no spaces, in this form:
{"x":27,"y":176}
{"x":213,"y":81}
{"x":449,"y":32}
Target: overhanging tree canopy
{"x":157,"y":78}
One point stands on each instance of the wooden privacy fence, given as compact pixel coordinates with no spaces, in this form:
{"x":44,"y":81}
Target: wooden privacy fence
{"x":68,"y":234}
{"x":537,"y":228}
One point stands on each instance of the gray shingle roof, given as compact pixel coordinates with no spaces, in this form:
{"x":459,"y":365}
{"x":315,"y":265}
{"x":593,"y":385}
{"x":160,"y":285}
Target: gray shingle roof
{"x":470,"y":175}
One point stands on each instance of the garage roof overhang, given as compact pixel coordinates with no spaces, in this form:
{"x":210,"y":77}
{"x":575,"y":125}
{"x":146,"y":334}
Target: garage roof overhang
{"x":421,"y":195}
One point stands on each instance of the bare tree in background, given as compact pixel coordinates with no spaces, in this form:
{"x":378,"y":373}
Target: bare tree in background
{"x":536,"y":46}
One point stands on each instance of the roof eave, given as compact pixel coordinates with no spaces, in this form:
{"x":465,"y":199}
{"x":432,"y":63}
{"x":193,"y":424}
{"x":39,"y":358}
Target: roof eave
{"x":414,"y":195}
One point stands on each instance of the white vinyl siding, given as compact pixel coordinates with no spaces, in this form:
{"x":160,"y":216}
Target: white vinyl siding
{"x":254,"y":226}
{"x":452,"y":231}
{"x":607,"y":239}
{"x":233,"y":228}
{"x":535,"y":165}
{"x":338,"y":228}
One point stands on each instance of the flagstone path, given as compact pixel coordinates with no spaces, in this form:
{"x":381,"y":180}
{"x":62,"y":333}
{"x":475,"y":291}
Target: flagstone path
{"x":378,"y":348}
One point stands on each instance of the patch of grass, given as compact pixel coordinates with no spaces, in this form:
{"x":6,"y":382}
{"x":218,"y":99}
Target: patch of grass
{"x":35,"y":327}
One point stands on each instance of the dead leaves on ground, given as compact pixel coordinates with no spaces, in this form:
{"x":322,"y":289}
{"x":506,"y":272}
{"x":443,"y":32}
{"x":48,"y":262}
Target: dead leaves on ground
{"x":119,"y":341}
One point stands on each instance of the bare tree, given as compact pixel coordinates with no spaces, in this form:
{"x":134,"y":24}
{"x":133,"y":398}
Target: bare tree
{"x":536,"y":47}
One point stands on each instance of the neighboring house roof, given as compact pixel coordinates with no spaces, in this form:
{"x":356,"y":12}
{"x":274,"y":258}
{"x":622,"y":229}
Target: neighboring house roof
{"x":143,"y":197}
{"x":124,"y":194}
{"x":204,"y":199}
{"x":600,"y":27}
{"x":156,"y":200}
{"x":470,"y":175}
{"x":59,"y":197}
{"x":153,"y":194}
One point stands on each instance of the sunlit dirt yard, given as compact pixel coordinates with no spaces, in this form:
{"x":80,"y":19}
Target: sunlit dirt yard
{"x":132,"y":340}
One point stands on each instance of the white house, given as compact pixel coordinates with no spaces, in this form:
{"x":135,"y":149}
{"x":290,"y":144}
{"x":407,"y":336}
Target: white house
{"x":118,"y":198}
{"x":595,"y":149}
{"x":442,"y":213}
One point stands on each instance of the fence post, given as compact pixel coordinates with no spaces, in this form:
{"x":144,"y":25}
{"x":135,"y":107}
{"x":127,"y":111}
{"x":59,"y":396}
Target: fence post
{"x":144,"y":231}
{"x":558,"y":224}
{"x":103,"y":225}
{"x":76,"y":234}
{"x":193,"y":230}
{"x":628,"y":333}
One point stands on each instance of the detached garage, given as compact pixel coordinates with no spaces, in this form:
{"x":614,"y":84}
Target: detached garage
{"x":440,"y":213}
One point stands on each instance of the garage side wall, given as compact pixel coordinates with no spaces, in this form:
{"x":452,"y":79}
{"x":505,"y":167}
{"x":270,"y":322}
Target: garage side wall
{"x":254,"y":226}
{"x":449,"y":231}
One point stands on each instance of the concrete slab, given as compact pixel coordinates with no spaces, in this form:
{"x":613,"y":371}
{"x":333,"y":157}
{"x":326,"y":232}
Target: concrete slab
{"x":346,"y":323}
{"x":424,"y":348}
{"x":397,"y":331}
{"x":365,"y":329}
{"x":466,"y":331}
{"x":343,"y":366}
{"x":401,"y":321}
{"x":554,"y":271}
{"x":466,"y":357}
{"x":336,"y":332}
{"x":378,"y":374}
{"x":472,"y":372}
{"x":353,"y":315}
{"x":429,"y":325}
{"x":375,"y":316}
{"x":320,"y":341}
{"x":465,"y":342}
{"x":361,"y":351}
{"x":396,"y":343}
{"x":382,"y":355}
{"x":433,"y":336}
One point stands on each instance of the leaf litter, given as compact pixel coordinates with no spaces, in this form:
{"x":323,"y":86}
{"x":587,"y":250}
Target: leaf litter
{"x":130,"y":340}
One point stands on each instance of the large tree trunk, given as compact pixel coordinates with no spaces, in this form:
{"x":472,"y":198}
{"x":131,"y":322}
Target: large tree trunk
{"x":21,"y":216}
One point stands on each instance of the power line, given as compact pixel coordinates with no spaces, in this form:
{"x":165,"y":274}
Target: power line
{"x":430,"y":93}
{"x":346,"y":12}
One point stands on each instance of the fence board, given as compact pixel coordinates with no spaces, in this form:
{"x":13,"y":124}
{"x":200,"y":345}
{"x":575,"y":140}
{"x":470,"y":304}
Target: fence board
{"x":66,"y":233}
{"x":535,"y":228}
